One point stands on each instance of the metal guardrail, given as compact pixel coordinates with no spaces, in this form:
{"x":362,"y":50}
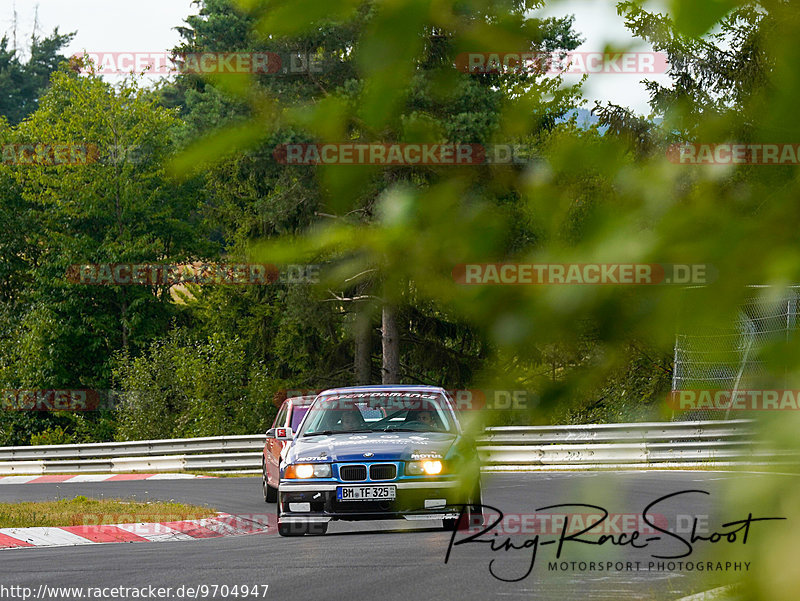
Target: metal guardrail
{"x":647,"y":431}
{"x":213,"y":444}
{"x":512,"y":448}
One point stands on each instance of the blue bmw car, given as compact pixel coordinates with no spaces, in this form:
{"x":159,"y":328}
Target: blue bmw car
{"x":377,"y":453}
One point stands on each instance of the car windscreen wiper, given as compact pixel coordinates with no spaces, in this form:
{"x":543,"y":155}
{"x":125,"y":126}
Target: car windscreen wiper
{"x":323,"y":433}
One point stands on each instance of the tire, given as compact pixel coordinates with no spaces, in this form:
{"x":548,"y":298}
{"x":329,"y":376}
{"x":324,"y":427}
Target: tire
{"x":317,"y":528}
{"x":270,"y":493}
{"x":293,"y":529}
{"x":472,"y":517}
{"x":290,"y":529}
{"x":476,"y":517}
{"x":454,"y":524}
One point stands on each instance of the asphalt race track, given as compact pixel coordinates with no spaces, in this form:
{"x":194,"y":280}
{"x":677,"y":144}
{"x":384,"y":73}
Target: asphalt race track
{"x":384,"y":560}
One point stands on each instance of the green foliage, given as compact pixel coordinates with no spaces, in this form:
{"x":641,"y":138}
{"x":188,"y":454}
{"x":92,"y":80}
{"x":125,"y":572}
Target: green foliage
{"x":118,"y":208}
{"x":181,"y":387}
{"x":251,"y":196}
{"x":588,"y":198}
{"x":24,"y":83}
{"x":633,"y":393}
{"x":299,"y":338}
{"x":55,"y":435}
{"x":585,"y":197}
{"x":390,"y":236}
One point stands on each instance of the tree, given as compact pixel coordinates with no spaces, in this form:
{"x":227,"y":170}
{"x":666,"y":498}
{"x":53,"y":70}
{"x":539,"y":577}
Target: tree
{"x":578,"y":196}
{"x":183,"y":387}
{"x":715,"y":77}
{"x":24,"y":83}
{"x":110,"y":202}
{"x":256,"y":197}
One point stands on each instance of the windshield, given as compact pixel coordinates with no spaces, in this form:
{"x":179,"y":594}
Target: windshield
{"x":298,"y":413}
{"x":378,"y":412}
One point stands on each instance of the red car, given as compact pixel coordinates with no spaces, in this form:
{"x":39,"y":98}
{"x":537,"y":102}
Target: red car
{"x":291,"y":413}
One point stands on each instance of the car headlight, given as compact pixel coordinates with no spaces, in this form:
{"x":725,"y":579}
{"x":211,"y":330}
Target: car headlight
{"x":428,"y":467}
{"x":308,"y":470}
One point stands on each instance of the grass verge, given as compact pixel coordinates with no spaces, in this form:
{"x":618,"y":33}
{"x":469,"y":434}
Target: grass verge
{"x":81,"y":511}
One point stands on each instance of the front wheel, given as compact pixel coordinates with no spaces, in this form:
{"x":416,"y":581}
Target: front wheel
{"x":472,"y":516}
{"x":292,"y":529}
{"x":299,"y":529}
{"x":270,"y":493}
{"x":476,"y":517}
{"x":317,"y":527}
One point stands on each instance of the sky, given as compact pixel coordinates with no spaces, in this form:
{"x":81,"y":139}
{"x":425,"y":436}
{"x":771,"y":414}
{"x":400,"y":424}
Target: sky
{"x":148,"y":26}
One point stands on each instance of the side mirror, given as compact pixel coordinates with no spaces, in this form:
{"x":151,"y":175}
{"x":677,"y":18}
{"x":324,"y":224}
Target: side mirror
{"x":280,"y":433}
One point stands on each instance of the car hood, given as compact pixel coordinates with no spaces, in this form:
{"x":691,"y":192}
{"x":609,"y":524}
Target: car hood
{"x":401,"y":446}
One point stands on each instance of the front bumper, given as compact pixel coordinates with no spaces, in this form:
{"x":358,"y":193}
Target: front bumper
{"x":415,"y":500}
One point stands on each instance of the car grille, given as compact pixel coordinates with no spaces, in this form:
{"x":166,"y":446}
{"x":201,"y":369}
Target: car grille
{"x":353,"y":473}
{"x":383,"y":471}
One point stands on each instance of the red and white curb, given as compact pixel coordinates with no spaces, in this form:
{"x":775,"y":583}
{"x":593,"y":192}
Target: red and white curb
{"x":223,"y":524}
{"x":68,"y":478}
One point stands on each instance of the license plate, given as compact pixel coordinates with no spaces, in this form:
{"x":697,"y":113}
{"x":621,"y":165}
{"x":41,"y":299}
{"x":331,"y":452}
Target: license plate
{"x":365,"y":493}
